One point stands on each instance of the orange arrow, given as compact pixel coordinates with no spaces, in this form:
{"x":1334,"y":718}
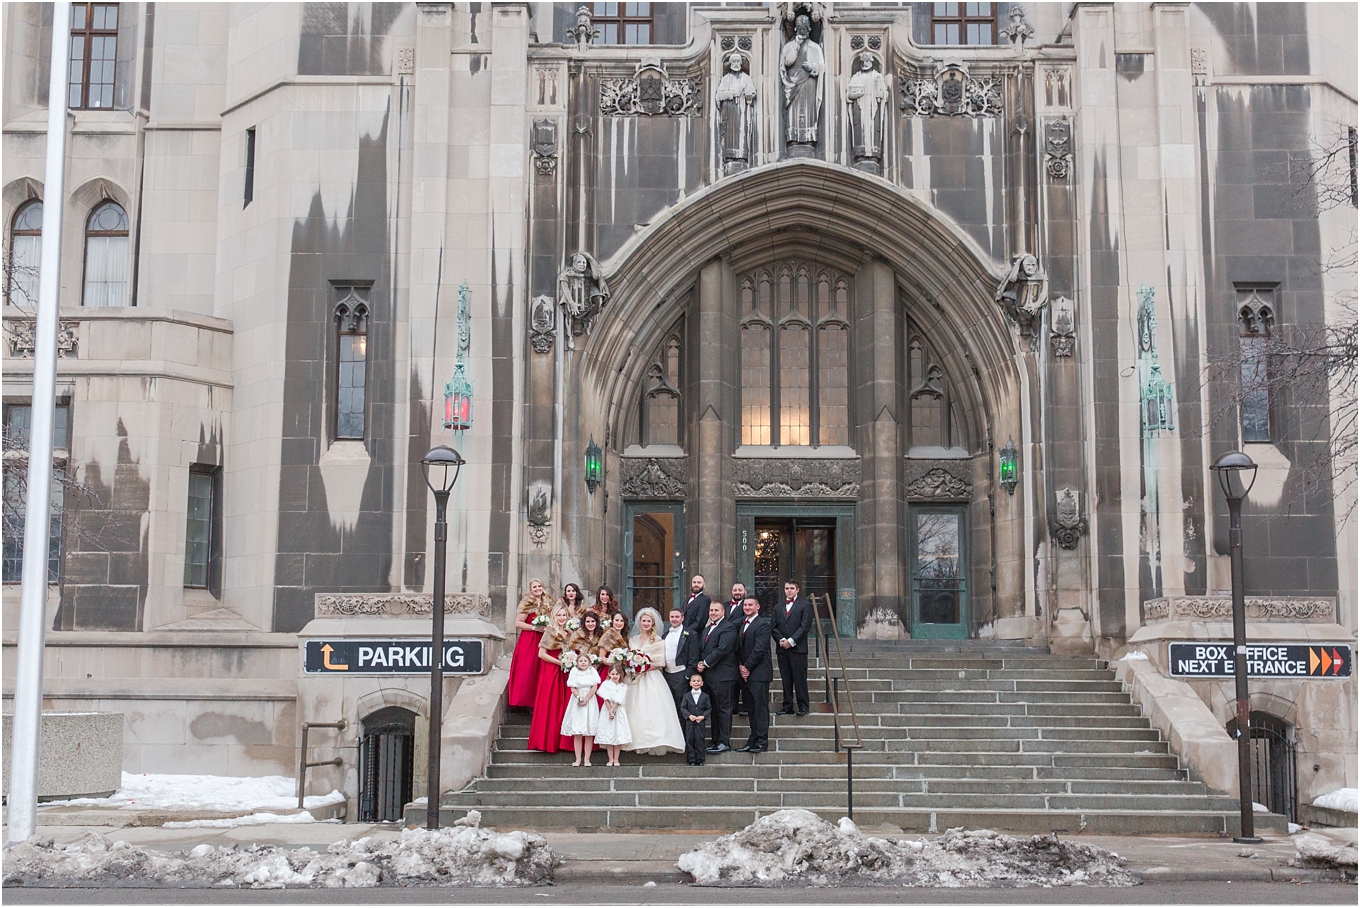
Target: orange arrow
{"x":326,"y":660}
{"x":1336,"y":662}
{"x":1326,"y":662}
{"x":1313,"y":661}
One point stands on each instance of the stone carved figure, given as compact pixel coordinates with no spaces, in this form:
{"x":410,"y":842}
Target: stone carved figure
{"x":1019,"y":30}
{"x":584,"y":32}
{"x":542,"y":324}
{"x":654,"y":477}
{"x":581,"y":292}
{"x":539,"y":511}
{"x":1063,"y":335}
{"x":1023,"y":292}
{"x":736,"y":102}
{"x":868,"y":96}
{"x":801,"y":64}
{"x":1068,"y":519}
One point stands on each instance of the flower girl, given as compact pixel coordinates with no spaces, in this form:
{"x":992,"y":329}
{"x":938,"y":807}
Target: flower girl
{"x":613,"y":731}
{"x":583,"y":713}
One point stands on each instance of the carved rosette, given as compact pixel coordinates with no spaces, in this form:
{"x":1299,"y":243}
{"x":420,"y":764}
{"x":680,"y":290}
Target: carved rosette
{"x":1319,"y":610}
{"x":786,"y":477}
{"x":654,"y":477}
{"x":399,"y":605}
{"x":938,"y":479}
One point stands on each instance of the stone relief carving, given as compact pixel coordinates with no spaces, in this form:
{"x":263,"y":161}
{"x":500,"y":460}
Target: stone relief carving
{"x":545,"y":147}
{"x":1058,"y":149}
{"x":736,"y":103}
{"x":793,"y":477}
{"x":1320,"y":610}
{"x":867,"y":94}
{"x":875,"y":42}
{"x":1023,"y":292}
{"x":801,"y":64}
{"x":650,"y":93}
{"x":23,"y":341}
{"x":1069,"y":524}
{"x":1199,"y":61}
{"x":406,"y":61}
{"x":581,"y":292}
{"x":1019,"y":31}
{"x":542,"y":323}
{"x":951,"y":93}
{"x":398,"y":605}
{"x":739,"y":41}
{"x":653,"y":477}
{"x":1055,"y":87}
{"x":539,"y":511}
{"x":938,"y":479}
{"x":1062,"y":337}
{"x":584,"y":32}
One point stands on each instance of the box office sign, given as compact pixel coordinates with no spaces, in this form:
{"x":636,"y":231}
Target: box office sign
{"x":1264,"y":660}
{"x":390,"y":657}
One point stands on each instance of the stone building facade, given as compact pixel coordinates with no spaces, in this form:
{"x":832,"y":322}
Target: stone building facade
{"x":916,"y":303}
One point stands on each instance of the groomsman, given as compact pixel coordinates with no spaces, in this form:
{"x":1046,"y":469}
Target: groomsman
{"x":753,"y":652}
{"x":679,"y":664}
{"x":718,"y":664}
{"x":792,"y":622}
{"x":696,"y":609}
{"x":734,"y":614}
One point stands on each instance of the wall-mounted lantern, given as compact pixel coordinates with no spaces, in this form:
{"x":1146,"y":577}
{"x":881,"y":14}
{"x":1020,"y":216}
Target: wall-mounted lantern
{"x":1009,"y":466}
{"x":594,"y":465}
{"x":458,"y":400}
{"x":1158,"y":406}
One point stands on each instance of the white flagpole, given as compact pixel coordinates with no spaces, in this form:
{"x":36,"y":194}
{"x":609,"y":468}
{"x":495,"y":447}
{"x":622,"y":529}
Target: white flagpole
{"x":23,"y":774}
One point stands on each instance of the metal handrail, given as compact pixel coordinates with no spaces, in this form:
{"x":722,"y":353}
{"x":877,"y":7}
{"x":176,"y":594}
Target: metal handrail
{"x":833,"y":699}
{"x":303,"y":765}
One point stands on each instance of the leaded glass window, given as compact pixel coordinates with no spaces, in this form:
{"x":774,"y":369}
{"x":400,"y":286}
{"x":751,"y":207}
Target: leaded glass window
{"x":1256,"y":322}
{"x":351,"y":366}
{"x":106,"y":257}
{"x":25,"y":255}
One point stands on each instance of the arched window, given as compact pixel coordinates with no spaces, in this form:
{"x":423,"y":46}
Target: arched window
{"x":660,"y":422}
{"x":933,"y":423}
{"x":795,"y":344}
{"x":25,"y":255}
{"x":106,"y":256}
{"x":1256,"y":323}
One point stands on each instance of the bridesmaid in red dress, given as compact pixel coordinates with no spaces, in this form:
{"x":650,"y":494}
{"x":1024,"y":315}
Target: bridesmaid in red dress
{"x":525,"y":662}
{"x":552,"y":695}
{"x":573,"y":600}
{"x":606,"y":605}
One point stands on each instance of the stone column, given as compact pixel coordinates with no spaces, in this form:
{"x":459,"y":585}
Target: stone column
{"x":711,"y":515}
{"x":878,"y":438}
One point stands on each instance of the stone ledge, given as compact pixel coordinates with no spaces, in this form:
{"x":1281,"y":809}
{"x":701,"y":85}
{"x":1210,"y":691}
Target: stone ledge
{"x":1292,"y":609}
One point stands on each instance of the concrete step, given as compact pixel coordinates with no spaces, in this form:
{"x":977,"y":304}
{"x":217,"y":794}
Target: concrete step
{"x":967,"y":756}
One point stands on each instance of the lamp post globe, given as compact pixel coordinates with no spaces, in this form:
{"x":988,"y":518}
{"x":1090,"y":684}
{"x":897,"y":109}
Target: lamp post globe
{"x":1236,"y":474}
{"x":441,"y":467}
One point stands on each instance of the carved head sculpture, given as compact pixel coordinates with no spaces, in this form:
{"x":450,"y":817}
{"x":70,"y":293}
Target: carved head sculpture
{"x":735,"y":62}
{"x":579,"y":263}
{"x":1029,"y":265}
{"x":802,"y":27}
{"x":866,"y":61}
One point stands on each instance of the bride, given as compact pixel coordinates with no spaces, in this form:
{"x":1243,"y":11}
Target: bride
{"x":649,"y":704}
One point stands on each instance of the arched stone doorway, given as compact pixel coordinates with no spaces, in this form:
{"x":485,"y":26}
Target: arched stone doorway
{"x":807,"y":351}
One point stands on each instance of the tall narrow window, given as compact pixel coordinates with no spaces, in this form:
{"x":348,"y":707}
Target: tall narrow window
{"x":833,"y":362}
{"x":1256,"y":322}
{"x":963,"y":23}
{"x":198,"y":528}
{"x":94,"y":54}
{"x":930,"y":409}
{"x":351,"y":317}
{"x":106,"y":256}
{"x":17,"y":422}
{"x":25,"y":255}
{"x":250,"y":166}
{"x":623,"y":23}
{"x":755,"y":361}
{"x":661,"y":399}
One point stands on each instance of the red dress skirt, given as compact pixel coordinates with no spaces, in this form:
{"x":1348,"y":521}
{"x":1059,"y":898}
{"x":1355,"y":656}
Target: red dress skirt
{"x":524,"y":666}
{"x":550,"y":705}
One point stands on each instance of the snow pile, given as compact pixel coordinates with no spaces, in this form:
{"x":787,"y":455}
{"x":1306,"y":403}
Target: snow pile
{"x":797,"y":846}
{"x":461,"y":856}
{"x":250,"y":819}
{"x":159,"y":791}
{"x":1341,"y":799}
{"x":1319,"y":851}
{"x":1134,"y":655}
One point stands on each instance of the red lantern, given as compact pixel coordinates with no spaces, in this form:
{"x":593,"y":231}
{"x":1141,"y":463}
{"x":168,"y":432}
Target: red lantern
{"x":458,"y":400}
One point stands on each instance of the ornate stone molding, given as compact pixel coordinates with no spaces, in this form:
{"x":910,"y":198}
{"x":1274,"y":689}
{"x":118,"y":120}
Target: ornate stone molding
{"x":1298,"y":610}
{"x":937,"y":479}
{"x":406,"y":61}
{"x":1058,"y":149}
{"x":1068,"y":522}
{"x":542,"y":323}
{"x":795,"y":477}
{"x":651,"y":93}
{"x":653,"y":477}
{"x":539,"y":511}
{"x":544,"y":146}
{"x":23,"y":344}
{"x":951,"y":93}
{"x":1062,"y":336}
{"x":399,"y":605}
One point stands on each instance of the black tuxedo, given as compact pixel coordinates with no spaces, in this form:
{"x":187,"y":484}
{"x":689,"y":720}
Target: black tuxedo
{"x":735,"y":614}
{"x":718,"y":652}
{"x":696,"y":733}
{"x":793,"y":625}
{"x":753,"y":652}
{"x":696,"y":611}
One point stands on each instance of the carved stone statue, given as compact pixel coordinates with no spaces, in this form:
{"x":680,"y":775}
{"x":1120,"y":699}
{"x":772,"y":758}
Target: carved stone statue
{"x":736,"y":100}
{"x":868,"y":92}
{"x":542,"y":324}
{"x":581,"y":292}
{"x":584,"y":32}
{"x":1019,"y":31}
{"x":802,"y":63}
{"x":1023,"y":293}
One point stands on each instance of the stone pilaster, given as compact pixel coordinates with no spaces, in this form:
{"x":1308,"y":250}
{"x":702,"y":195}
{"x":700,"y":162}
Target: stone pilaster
{"x":712,"y":515}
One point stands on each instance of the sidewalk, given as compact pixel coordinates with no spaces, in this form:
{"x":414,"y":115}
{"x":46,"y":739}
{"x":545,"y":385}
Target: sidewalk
{"x":624,"y":858}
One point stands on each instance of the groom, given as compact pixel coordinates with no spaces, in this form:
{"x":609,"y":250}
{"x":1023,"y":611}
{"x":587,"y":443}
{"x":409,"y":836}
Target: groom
{"x":718,"y":664}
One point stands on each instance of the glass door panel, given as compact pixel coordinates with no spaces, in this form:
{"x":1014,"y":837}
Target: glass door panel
{"x":794,"y":548}
{"x":653,"y":559}
{"x":938,"y":584}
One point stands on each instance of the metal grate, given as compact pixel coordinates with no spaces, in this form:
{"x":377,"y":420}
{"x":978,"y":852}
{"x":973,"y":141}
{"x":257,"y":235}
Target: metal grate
{"x":386,"y":765}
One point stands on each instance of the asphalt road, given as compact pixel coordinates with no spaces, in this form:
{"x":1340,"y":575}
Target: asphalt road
{"x":1191,"y":893}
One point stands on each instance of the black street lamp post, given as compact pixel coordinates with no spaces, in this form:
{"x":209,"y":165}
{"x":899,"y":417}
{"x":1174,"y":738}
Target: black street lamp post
{"x":441,"y":468}
{"x":1236,"y":475}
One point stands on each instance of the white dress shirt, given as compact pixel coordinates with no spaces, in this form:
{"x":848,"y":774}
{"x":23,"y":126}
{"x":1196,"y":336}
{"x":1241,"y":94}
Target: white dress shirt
{"x":672,"y":649}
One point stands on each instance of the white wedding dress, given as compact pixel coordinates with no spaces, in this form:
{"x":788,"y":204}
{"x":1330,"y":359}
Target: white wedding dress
{"x":651,"y":708}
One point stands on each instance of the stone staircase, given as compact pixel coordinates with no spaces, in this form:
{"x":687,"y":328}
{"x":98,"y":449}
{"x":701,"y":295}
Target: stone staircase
{"x":967,"y":733}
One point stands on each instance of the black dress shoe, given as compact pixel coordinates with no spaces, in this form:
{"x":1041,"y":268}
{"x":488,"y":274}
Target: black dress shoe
{"x":757,"y":750}
{"x":784,"y":712}
{"x":740,"y":712}
{"x":746,"y":750}
{"x":802,"y":712}
{"x":718,"y":749}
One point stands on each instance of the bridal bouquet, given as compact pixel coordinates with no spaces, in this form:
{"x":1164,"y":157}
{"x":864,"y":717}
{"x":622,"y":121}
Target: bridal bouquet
{"x":567,"y":660}
{"x":637,"y":662}
{"x":538,"y":622}
{"x":619,"y":656}
{"x":573,"y":624}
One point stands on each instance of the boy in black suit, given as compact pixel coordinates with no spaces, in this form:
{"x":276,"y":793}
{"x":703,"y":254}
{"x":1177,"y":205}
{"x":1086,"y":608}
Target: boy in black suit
{"x":695,"y":708}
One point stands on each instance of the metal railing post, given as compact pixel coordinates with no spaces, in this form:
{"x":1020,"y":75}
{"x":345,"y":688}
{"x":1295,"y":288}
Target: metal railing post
{"x":303,"y":765}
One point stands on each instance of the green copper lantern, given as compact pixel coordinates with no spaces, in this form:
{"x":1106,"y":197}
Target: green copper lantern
{"x":1009,"y":466}
{"x":594,"y":465}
